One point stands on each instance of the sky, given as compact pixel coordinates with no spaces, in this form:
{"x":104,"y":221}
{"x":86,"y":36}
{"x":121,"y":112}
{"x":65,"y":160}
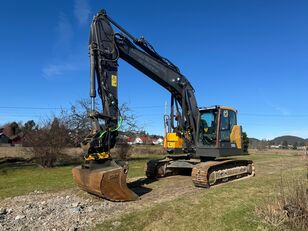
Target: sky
{"x":250,"y":55}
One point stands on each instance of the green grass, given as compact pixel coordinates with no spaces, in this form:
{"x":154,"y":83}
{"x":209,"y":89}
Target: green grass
{"x":212,"y":210}
{"x":226,"y":207}
{"x":137,"y":164}
{"x":21,"y":180}
{"x":24,"y":179}
{"x":261,"y":157}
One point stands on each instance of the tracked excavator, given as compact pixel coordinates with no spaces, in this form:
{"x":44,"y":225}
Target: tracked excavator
{"x":196,"y":138}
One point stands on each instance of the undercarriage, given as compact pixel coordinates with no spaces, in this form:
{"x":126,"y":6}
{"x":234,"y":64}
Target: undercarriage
{"x":204,"y":174}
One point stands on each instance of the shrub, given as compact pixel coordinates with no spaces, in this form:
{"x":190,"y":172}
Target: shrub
{"x":289,"y":209}
{"x":123,"y":151}
{"x":47,"y":142}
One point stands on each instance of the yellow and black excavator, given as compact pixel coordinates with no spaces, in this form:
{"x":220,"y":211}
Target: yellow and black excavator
{"x":195,"y":138}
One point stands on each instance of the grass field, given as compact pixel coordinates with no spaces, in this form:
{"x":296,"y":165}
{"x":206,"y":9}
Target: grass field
{"x":226,"y":207}
{"x":19,"y":180}
{"x":230,"y":206}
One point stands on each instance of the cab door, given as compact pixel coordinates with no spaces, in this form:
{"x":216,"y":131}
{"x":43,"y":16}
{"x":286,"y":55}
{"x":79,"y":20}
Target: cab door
{"x":227,"y":119}
{"x":208,"y":128}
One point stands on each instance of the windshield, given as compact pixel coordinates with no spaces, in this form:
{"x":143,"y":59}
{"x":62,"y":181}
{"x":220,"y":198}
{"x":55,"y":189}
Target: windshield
{"x":208,"y":124}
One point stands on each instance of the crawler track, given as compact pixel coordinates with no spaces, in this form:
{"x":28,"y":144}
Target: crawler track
{"x":156,"y":168}
{"x":214,"y":172}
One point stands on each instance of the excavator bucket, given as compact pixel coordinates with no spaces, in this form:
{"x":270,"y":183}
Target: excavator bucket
{"x":104,"y":180}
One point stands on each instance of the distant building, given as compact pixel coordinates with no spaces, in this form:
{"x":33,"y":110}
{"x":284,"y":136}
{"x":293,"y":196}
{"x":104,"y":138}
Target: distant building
{"x":138,"y":140}
{"x":302,"y":148}
{"x":276,"y":146}
{"x":159,"y":141}
{"x":145,"y":139}
{"x":4,"y":140}
{"x":9,"y":137}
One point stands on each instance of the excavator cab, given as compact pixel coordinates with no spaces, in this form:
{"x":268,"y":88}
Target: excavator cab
{"x":217,"y":134}
{"x":218,"y":128}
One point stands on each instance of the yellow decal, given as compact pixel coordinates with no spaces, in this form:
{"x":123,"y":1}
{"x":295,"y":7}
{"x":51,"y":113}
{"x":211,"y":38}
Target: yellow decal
{"x":114,"y":81}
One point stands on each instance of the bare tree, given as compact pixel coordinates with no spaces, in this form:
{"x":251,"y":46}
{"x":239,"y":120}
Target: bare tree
{"x":78,"y":124}
{"x":129,"y":119}
{"x":77,"y":121}
{"x":47,"y":142}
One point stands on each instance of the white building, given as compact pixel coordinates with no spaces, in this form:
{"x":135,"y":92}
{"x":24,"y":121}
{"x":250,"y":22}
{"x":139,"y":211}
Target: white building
{"x":138,"y":140}
{"x":159,"y":141}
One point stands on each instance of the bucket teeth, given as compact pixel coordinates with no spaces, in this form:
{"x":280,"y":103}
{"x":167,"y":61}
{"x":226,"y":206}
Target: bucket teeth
{"x":107,"y":181}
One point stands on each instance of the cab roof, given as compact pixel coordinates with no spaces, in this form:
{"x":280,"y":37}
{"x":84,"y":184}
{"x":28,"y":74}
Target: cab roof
{"x":217,"y":107}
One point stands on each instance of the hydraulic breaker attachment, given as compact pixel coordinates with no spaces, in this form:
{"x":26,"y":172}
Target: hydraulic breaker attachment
{"x":107,"y":180}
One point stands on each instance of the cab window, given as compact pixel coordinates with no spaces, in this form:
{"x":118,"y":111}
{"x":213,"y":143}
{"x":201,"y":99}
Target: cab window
{"x":208,"y":125}
{"x":227,"y":121}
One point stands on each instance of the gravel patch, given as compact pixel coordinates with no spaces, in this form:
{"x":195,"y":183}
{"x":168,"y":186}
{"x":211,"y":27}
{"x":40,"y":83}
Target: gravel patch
{"x":74,"y":209}
{"x":55,"y":211}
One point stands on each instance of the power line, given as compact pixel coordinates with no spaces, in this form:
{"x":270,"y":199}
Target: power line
{"x":161,"y":106}
{"x":20,"y":116}
{"x":31,"y":108}
{"x":156,"y":106}
{"x":273,"y":115}
{"x":59,"y":108}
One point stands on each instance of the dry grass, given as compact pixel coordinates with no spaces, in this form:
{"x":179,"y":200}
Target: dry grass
{"x":137,"y":149}
{"x":288,"y":210}
{"x":13,"y":152}
{"x":22,"y":152}
{"x":279,"y":151}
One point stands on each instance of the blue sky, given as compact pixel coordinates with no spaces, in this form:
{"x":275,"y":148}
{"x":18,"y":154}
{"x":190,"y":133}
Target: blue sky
{"x":251,"y":55}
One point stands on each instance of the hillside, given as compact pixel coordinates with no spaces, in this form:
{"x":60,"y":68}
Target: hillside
{"x":256,"y":143}
{"x":280,"y":139}
{"x":289,"y":139}
{"x":253,"y":140}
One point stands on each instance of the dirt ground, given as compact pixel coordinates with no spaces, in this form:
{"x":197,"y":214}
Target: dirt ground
{"x":74,"y":209}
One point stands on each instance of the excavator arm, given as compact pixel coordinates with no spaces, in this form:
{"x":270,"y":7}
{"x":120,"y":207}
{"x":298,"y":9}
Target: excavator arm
{"x":106,"y":47}
{"x":100,"y":174}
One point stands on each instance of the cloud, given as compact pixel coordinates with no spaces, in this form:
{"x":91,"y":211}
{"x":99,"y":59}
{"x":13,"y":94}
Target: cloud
{"x":65,"y":59}
{"x":51,"y":71}
{"x":64,"y":67}
{"x":82,"y":11}
{"x":281,"y":110}
{"x":64,"y":32}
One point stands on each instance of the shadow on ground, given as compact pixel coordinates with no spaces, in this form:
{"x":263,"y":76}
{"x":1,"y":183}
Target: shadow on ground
{"x":138,"y":186}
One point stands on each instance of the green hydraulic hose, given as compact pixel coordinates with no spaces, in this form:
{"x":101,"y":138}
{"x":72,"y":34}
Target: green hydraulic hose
{"x":120,"y":124}
{"x":117,"y":128}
